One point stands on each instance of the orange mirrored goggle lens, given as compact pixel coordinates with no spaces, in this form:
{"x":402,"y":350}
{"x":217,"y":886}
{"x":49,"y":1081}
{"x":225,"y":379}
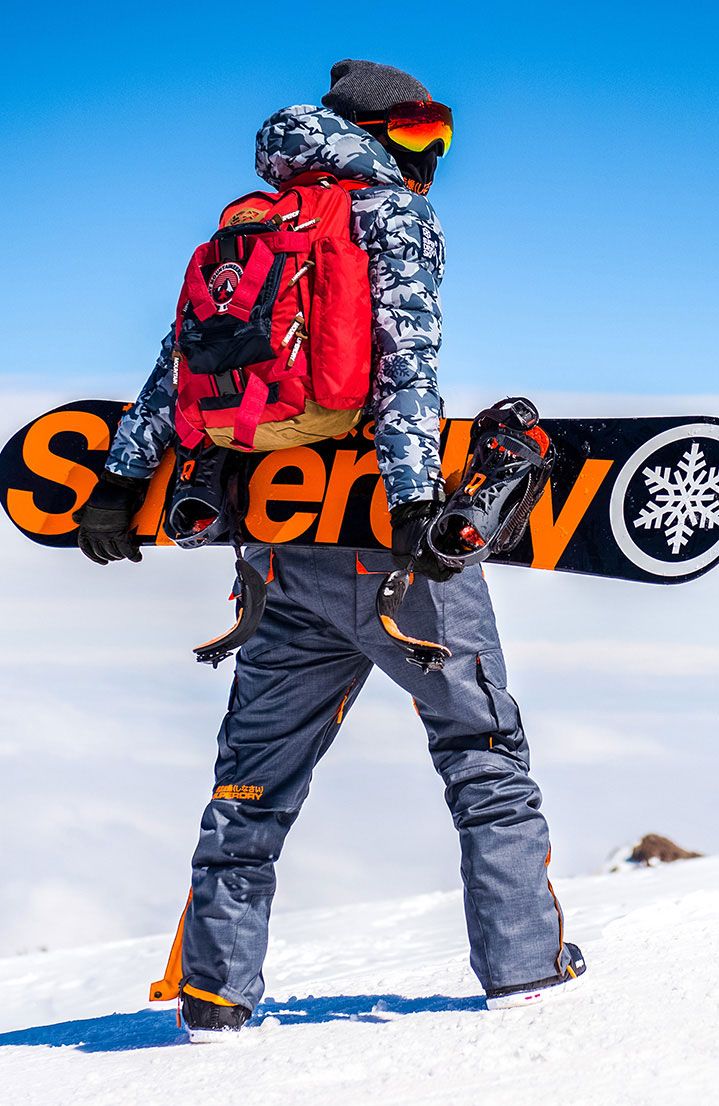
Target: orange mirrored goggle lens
{"x":417,"y":124}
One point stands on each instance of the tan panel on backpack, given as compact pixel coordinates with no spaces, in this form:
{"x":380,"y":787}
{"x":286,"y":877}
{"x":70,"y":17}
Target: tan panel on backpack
{"x":315,"y":424}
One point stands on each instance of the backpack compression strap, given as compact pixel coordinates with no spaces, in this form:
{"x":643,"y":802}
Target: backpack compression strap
{"x":249,"y":286}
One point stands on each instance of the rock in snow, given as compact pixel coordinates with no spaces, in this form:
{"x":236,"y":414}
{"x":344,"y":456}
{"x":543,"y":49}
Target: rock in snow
{"x":652,"y":849}
{"x":376,"y":1003}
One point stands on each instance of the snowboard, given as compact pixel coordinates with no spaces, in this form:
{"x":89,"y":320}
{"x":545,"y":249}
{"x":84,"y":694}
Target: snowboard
{"x":629,"y":498}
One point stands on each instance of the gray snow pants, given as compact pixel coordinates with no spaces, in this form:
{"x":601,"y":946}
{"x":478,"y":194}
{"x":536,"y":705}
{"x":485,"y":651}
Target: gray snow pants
{"x":317,"y":643}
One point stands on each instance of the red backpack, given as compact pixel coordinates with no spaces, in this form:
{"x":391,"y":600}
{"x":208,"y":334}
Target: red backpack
{"x":272,"y":338}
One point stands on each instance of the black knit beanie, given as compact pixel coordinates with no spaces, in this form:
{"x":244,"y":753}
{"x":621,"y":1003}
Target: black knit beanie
{"x":357,"y":86}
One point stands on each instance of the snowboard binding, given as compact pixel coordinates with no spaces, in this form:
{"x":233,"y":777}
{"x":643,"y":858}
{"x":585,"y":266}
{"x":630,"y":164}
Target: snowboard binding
{"x":250,"y":596}
{"x":206,"y":505}
{"x":197,"y":509}
{"x":427,"y":655}
{"x":510,"y":461}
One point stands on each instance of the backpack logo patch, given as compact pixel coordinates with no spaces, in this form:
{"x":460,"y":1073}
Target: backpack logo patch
{"x":249,"y":215}
{"x":223,"y":283}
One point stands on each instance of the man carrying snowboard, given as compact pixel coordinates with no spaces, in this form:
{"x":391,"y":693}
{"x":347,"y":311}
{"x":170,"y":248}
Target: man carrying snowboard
{"x":379,"y":135}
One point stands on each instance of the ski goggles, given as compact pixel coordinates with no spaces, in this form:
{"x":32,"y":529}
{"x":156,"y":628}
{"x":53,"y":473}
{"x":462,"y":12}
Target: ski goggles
{"x":415,"y":125}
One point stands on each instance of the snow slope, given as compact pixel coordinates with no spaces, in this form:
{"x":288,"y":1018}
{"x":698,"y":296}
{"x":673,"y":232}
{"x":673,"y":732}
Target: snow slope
{"x":376,"y":1003}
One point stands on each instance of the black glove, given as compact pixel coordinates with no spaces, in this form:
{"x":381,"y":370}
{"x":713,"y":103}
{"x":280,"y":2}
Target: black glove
{"x":106,"y":518}
{"x":409,"y":522}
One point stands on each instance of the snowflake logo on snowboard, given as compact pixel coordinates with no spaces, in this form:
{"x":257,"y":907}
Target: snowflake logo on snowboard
{"x":682,"y":500}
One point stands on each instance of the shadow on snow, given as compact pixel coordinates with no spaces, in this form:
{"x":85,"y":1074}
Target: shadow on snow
{"x":158,"y":1029}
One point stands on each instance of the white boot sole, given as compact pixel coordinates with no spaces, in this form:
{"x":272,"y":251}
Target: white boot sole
{"x":211,"y":1036}
{"x":531,"y":997}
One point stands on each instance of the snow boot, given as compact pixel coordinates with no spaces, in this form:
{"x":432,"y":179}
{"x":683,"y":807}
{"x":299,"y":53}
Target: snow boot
{"x":525,"y":994}
{"x":209,"y":1022}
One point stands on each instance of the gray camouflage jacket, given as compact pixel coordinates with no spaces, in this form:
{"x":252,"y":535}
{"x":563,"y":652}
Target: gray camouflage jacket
{"x":403,"y":237}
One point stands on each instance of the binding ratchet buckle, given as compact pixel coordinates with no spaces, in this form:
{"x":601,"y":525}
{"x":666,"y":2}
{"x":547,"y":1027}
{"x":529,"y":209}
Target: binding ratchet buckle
{"x":427,"y":655}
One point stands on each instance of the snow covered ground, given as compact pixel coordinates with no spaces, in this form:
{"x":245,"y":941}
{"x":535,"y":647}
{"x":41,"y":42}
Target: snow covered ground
{"x":376,"y":1003}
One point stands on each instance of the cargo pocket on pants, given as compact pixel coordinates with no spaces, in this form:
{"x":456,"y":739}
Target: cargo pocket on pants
{"x":492,"y":679}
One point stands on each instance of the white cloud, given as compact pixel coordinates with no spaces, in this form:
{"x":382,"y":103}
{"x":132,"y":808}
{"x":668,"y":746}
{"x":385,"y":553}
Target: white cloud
{"x":462,"y":402}
{"x":612,"y":657}
{"x":567,"y":739}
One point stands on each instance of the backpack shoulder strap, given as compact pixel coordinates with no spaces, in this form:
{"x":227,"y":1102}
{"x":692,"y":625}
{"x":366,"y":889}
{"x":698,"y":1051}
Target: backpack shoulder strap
{"x":310,"y":178}
{"x":353,"y":185}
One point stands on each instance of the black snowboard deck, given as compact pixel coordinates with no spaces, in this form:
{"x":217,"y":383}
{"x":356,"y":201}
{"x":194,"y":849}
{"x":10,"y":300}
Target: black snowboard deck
{"x":629,"y":498}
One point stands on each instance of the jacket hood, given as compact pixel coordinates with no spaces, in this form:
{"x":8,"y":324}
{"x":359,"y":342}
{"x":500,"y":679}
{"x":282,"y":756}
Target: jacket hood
{"x":306,"y":138}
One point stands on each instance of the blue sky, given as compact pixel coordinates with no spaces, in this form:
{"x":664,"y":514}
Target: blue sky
{"x":579,"y":198}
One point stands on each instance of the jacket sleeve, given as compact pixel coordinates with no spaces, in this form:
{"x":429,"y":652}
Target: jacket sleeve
{"x":405,"y":243}
{"x":146,"y":429}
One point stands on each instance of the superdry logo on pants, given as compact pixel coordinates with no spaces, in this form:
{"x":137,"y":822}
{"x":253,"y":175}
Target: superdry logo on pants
{"x":238,"y":791}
